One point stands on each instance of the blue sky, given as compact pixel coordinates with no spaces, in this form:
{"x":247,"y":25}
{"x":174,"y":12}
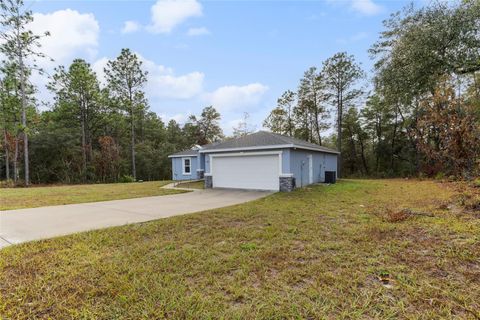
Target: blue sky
{"x":237,"y":55}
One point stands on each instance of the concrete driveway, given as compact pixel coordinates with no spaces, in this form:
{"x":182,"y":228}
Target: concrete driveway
{"x":23,"y":225}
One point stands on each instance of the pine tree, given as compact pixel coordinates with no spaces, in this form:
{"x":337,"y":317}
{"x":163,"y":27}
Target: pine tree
{"x":19,"y":46}
{"x":126,"y":80}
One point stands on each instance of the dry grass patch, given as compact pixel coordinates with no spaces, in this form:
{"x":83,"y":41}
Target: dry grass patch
{"x":322,"y":252}
{"x":18,"y":198}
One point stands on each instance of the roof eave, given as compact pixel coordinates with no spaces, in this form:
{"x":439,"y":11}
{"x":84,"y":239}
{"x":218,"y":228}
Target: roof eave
{"x":182,"y":155}
{"x":278,"y":146}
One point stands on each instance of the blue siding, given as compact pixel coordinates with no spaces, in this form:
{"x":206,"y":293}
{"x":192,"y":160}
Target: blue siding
{"x":201,"y":159}
{"x":292,"y":160}
{"x":177,"y":169}
{"x":321,"y":162}
{"x":207,"y":163}
{"x":331,"y":162}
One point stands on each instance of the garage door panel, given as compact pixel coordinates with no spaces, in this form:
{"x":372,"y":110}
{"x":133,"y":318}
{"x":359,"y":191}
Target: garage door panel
{"x":259,"y":172}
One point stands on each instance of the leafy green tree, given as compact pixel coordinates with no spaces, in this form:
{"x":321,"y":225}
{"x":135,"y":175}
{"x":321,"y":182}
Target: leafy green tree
{"x":281,"y":120}
{"x":311,"y":112}
{"x":342,"y":75}
{"x":420,"y":45}
{"x":207,"y":127}
{"x":78,"y":90}
{"x":19,"y":46}
{"x":10,"y":109}
{"x":126,"y":80}
{"x":356,"y":140}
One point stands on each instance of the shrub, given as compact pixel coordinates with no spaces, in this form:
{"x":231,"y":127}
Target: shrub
{"x":440,"y":176}
{"x":7,"y":183}
{"x":476,"y":183}
{"x":126,"y":179}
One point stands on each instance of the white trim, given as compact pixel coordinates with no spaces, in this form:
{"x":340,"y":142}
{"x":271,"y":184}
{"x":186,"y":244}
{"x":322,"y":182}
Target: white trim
{"x":200,"y":170}
{"x":183,"y":156}
{"x":236,"y":154}
{"x":247,"y":148}
{"x":286,"y":175}
{"x":317,"y":150}
{"x":310,"y":168}
{"x":279,"y":146}
{"x":183,"y":166}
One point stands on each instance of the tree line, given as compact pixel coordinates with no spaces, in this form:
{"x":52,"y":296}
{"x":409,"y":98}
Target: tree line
{"x":419,"y":115}
{"x":91,"y":132}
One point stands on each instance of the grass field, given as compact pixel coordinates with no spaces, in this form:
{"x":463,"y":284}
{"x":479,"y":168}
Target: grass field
{"x":384,"y":249}
{"x":18,"y":198}
{"x":191,"y":185}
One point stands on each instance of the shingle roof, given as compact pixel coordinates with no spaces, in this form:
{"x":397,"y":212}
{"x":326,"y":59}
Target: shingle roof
{"x":265,"y":139}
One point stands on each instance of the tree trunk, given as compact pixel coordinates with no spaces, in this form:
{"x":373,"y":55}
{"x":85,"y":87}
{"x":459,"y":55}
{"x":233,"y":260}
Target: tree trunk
{"x":15,"y":162}
{"x":84,"y":146}
{"x":339,"y":132}
{"x":7,"y":155}
{"x":132,"y":133}
{"x":364,"y":160}
{"x":392,"y":158}
{"x":24,"y":120}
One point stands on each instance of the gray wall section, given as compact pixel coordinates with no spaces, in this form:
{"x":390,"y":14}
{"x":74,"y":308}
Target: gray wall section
{"x":207,"y":163}
{"x":202,"y":161}
{"x":299,"y":165}
{"x":177,"y":169}
{"x":330,"y":162}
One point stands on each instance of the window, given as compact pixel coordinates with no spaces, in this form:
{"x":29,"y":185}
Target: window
{"x":186,"y":166}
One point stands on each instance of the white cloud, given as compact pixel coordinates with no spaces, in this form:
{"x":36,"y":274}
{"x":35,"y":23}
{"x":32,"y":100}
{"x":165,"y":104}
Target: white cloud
{"x":130,"y":27}
{"x":365,"y":7}
{"x":167,"y":14}
{"x":98,"y":66}
{"x":236,"y":98}
{"x":162,"y":81}
{"x":202,"y":31}
{"x":73,"y":34}
{"x":179,"y":117}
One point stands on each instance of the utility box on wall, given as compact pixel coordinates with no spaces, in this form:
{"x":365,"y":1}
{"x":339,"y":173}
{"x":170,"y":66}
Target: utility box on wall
{"x":330,"y":176}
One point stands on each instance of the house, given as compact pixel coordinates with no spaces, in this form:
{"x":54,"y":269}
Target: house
{"x":259,"y":161}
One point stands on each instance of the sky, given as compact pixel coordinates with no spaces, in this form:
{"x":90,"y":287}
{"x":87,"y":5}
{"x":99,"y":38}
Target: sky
{"x":238,"y":56}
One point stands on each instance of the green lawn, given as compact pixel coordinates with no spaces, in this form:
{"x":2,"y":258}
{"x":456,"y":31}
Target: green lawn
{"x":384,"y":249}
{"x":17,"y":198}
{"x":192,"y":185}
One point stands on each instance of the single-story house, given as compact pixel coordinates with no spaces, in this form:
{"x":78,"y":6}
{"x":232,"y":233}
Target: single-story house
{"x":259,"y":161}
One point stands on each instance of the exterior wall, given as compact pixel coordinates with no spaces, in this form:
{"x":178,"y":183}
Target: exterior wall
{"x":292,"y":160}
{"x":200,"y":172}
{"x":321,"y":162}
{"x":330,"y":162}
{"x":177,"y":168}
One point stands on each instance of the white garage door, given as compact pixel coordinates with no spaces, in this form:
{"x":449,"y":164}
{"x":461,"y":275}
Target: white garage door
{"x":260,"y":172}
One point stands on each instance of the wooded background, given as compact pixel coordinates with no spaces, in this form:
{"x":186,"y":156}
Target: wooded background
{"x":418,"y":114}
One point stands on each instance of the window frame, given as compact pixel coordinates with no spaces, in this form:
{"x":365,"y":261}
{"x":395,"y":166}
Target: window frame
{"x":185,"y":166}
